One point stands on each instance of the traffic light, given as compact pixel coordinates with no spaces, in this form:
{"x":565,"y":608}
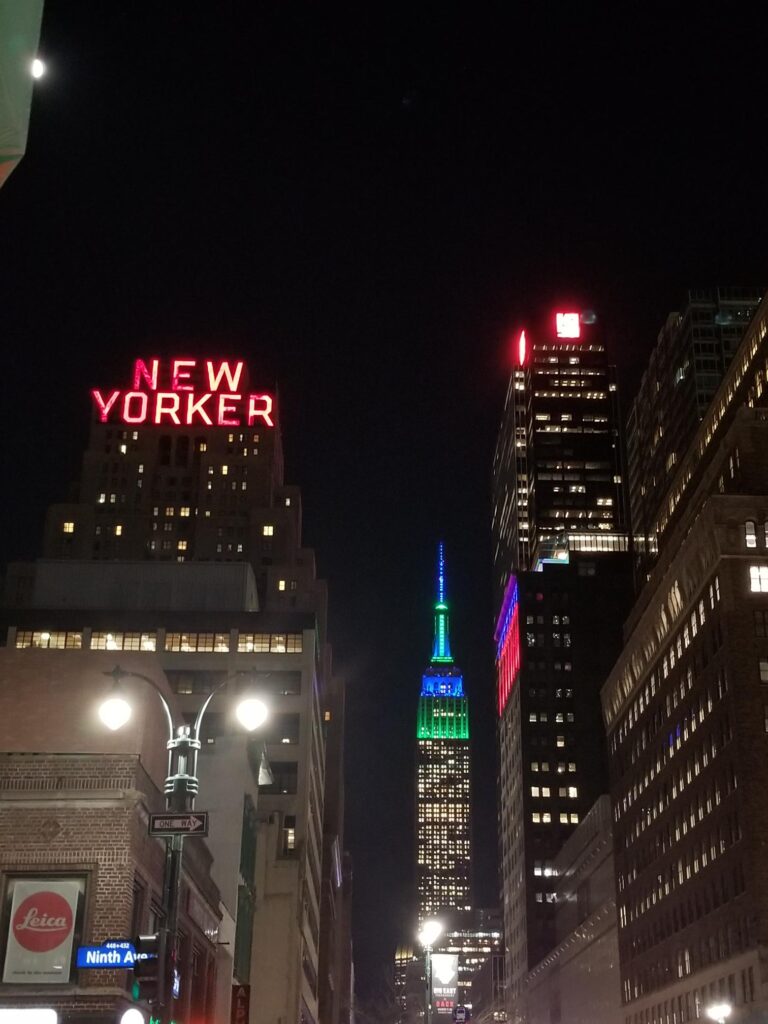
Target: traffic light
{"x":147,"y":968}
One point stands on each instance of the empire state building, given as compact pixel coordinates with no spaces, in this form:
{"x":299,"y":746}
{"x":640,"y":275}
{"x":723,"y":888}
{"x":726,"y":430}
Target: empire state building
{"x":443,"y":855}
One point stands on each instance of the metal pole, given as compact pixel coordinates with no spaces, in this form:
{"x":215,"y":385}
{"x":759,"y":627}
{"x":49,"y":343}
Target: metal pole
{"x":428,"y":972}
{"x":172,"y":948}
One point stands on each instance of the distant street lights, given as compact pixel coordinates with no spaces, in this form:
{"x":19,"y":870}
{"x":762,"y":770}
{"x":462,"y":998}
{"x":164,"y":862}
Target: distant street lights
{"x":719,"y":1012}
{"x":430,"y":932}
{"x":181,"y":788}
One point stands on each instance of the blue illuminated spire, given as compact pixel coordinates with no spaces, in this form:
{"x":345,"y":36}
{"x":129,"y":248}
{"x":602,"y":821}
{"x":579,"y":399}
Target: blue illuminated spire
{"x":441,"y":646}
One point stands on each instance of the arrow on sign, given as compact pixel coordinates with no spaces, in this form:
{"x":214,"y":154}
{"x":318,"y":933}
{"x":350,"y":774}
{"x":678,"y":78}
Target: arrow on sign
{"x":179,"y":824}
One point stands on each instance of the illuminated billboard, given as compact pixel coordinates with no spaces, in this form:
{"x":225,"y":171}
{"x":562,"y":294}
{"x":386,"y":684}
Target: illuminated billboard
{"x":507,"y":645}
{"x":185,"y":392}
{"x":445,"y":983}
{"x":567,"y":325}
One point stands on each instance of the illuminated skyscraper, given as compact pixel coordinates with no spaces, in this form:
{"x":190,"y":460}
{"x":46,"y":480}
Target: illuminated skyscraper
{"x":442,"y":775}
{"x":562,"y":575}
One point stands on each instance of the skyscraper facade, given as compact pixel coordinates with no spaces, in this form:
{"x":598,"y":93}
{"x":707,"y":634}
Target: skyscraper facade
{"x":443,"y":824}
{"x":557,"y":468}
{"x":693,"y":350}
{"x":563,"y":583}
{"x":686,"y":711}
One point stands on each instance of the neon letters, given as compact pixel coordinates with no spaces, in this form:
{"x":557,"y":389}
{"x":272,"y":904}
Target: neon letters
{"x":198,"y":392}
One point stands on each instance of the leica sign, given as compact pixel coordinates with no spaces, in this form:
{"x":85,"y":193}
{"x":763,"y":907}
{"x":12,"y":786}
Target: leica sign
{"x":185,"y":392}
{"x":40,"y":932}
{"x":42,"y":921}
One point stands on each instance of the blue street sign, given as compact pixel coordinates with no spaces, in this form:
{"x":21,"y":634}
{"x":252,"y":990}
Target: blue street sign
{"x":107,"y":956}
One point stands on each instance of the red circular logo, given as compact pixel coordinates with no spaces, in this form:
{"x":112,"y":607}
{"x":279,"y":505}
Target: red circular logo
{"x":42,"y":921}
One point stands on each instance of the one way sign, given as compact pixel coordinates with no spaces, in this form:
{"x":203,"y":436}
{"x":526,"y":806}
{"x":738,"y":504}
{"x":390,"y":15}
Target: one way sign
{"x":193,"y":824}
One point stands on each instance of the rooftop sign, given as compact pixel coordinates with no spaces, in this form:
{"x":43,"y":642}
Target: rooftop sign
{"x":185,"y":392}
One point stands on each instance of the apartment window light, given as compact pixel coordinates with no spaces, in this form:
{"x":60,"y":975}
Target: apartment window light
{"x":758,"y":578}
{"x":68,"y":527}
{"x":750,"y":534}
{"x":268,"y":530}
{"x":281,"y":584}
{"x":119,"y":530}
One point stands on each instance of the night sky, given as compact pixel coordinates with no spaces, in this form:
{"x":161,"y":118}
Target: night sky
{"x":364,"y":200}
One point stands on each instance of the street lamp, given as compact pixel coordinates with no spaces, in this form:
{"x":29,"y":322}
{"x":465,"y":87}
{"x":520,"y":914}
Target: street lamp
{"x":430,"y":932}
{"x":181,"y":788}
{"x":719,"y":1012}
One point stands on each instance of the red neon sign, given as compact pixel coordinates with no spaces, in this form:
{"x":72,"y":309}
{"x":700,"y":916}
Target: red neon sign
{"x":567,"y":325}
{"x":220,"y":401}
{"x":522,"y":348}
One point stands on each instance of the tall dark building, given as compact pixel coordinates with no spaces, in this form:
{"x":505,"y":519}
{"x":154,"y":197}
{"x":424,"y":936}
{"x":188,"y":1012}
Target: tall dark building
{"x":562,"y":573}
{"x":557,"y":468}
{"x":693,"y":350}
{"x":443,"y":780}
{"x":686,"y":710}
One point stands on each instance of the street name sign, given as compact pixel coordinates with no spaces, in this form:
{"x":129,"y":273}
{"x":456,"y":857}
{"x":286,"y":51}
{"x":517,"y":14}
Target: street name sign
{"x":191,"y":823}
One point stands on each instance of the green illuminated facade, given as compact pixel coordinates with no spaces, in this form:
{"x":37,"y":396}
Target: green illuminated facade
{"x":442,"y":774}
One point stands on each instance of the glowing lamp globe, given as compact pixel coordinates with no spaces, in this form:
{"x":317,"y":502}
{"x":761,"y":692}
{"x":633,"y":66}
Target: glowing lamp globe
{"x":114,"y":713}
{"x":133,"y":1016}
{"x":38,"y":68}
{"x":430,"y":931}
{"x":719,"y":1012}
{"x":252,"y":713}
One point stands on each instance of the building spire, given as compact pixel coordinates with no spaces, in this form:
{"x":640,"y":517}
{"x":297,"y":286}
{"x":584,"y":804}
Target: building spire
{"x":441,"y":645}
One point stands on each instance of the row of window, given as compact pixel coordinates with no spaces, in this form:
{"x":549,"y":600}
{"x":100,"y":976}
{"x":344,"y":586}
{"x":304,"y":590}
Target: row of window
{"x":187,"y":643}
{"x":563,"y":791}
{"x":542,"y":716}
{"x":545,"y":818}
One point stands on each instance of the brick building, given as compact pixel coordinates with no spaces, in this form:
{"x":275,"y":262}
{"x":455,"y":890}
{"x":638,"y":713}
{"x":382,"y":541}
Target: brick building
{"x":74,"y":801}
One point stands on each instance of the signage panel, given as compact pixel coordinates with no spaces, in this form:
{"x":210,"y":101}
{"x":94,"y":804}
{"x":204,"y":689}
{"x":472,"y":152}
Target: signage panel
{"x":445,"y":983}
{"x":185,"y":392}
{"x":241,"y":1004}
{"x":40,"y":932}
{"x":109,"y":955}
{"x":194,"y":823}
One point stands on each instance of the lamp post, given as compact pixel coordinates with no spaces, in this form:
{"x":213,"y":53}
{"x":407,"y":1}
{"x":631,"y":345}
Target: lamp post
{"x":181,"y":788}
{"x":430,"y":932}
{"x":719,"y":1012}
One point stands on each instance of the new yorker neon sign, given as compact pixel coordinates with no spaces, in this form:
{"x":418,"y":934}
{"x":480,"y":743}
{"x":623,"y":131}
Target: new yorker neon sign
{"x":186,"y":392}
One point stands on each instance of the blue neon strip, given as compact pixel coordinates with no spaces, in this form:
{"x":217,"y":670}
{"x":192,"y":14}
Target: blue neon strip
{"x":442,"y":686}
{"x":505,"y":616}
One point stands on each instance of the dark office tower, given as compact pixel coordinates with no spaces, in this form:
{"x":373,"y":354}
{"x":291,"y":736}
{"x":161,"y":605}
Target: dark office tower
{"x":562,"y":574}
{"x":557,"y":476}
{"x":443,"y":823}
{"x":558,"y":634}
{"x":693,"y":350}
{"x":686,"y":710}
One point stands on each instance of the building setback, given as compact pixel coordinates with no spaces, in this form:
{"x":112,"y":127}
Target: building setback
{"x":686,"y":708}
{"x":693,"y":350}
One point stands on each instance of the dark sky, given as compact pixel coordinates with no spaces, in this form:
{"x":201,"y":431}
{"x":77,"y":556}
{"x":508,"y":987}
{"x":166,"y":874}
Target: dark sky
{"x":363,"y":201}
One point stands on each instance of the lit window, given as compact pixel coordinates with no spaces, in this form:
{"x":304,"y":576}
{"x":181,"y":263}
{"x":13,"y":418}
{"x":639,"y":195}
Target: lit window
{"x":184,"y":511}
{"x":169,"y":511}
{"x":268,"y":530}
{"x":281,"y":584}
{"x":545,"y":791}
{"x":573,"y":792}
{"x":764,"y":670}
{"x":534,"y":790}
{"x":574,"y":819}
{"x":534,"y":766}
{"x":546,"y":817}
{"x":119,"y":530}
{"x":224,"y":470}
{"x":102,"y":498}
{"x":758,"y":578}
{"x":123,"y":449}
{"x":750,"y":535}
{"x":287,"y":502}
{"x":563,"y":818}
{"x":560,"y":741}
{"x":571,"y":766}
{"x":68,"y":528}
{"x":535,"y":817}
{"x":182,"y":545}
